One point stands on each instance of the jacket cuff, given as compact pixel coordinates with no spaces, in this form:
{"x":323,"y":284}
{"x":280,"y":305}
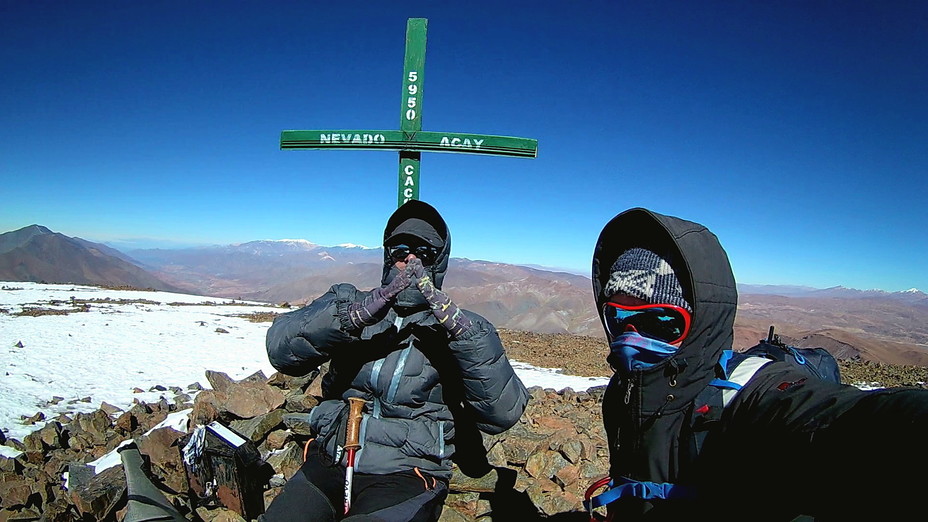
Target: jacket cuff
{"x":469,"y":333}
{"x":341,"y":312}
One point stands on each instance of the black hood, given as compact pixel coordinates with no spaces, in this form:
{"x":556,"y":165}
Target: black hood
{"x":704,"y":271}
{"x":420,"y":219}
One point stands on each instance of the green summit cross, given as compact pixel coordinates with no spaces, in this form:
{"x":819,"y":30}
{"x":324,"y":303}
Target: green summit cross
{"x":410,"y":140}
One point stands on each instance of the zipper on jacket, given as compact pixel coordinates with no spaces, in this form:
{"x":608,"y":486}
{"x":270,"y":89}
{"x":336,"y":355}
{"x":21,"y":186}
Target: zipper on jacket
{"x":628,"y":433}
{"x":675,"y":369}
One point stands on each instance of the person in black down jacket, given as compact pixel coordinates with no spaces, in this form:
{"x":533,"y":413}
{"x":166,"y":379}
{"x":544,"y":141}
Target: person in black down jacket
{"x":786,"y":445}
{"x":431,"y":374}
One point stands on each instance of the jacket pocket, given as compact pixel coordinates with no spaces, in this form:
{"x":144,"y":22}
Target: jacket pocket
{"x":415,"y":438}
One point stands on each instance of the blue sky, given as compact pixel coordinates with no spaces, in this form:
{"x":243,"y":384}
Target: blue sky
{"x":795,"y":130}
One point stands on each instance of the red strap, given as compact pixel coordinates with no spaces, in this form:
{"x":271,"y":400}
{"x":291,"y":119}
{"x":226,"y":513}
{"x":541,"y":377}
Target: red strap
{"x":425,"y":481}
{"x":601,"y":483}
{"x":306,"y":448}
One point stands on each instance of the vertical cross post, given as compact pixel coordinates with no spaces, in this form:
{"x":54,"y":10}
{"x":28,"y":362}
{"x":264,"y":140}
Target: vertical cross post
{"x":410,"y":140}
{"x":411,"y":109}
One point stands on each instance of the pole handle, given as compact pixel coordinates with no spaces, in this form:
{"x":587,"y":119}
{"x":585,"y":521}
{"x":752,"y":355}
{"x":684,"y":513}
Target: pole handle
{"x":355,"y":411}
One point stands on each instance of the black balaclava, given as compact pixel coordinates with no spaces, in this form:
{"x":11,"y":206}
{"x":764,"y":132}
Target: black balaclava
{"x":417,"y":220}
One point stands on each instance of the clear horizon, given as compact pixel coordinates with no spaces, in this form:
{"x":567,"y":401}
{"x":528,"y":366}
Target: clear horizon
{"x":126,"y":248}
{"x":794,"y":131}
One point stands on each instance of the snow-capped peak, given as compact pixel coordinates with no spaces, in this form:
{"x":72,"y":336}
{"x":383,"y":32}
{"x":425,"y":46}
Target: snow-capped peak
{"x":352,"y":245}
{"x":303,"y":242}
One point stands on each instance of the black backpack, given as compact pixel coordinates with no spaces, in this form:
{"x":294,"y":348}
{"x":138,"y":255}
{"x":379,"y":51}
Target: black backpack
{"x":733,"y":371}
{"x":818,"y":362}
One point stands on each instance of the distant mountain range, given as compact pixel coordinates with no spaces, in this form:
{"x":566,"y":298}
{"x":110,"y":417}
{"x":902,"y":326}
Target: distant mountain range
{"x":911,"y":296}
{"x":511,"y":296}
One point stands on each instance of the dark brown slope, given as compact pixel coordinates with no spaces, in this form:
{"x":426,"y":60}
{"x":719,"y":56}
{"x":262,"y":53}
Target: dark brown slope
{"x":40,"y":255}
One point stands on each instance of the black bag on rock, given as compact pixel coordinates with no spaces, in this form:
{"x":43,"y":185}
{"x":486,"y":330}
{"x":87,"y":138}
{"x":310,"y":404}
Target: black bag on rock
{"x":224,"y":469}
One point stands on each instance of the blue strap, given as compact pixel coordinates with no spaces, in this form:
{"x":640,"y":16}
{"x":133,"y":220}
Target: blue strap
{"x":721,"y":383}
{"x":633,"y":488}
{"x":799,"y":357}
{"x":723,"y":361}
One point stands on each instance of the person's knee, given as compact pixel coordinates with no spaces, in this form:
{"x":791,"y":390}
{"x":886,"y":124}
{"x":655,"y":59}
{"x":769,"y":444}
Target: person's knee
{"x":425,"y":507}
{"x":299,"y":498}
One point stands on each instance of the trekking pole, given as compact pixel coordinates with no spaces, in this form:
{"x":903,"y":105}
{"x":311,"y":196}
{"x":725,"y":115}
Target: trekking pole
{"x":352,"y":444}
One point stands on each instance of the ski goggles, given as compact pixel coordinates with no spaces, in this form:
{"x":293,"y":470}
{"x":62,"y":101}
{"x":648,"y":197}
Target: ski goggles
{"x":427,"y":254}
{"x":667,"y":323}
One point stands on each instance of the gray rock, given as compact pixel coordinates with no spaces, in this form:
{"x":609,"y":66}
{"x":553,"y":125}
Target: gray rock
{"x":257,"y":428}
{"x":298,"y":423}
{"x":98,"y":498}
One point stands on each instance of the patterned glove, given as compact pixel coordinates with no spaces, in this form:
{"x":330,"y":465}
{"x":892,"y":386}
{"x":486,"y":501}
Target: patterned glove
{"x":447,"y":313}
{"x":365,"y":313}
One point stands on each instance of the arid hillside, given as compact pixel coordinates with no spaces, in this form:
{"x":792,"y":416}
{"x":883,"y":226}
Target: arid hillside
{"x":586,"y":356}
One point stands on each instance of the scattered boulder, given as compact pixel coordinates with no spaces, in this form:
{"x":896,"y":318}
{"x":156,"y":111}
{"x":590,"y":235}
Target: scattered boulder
{"x":99,"y":496}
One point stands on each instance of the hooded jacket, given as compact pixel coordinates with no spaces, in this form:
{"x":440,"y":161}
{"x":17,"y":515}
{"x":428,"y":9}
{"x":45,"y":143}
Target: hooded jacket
{"x":786,"y":445}
{"x":645,"y":411}
{"x":425,"y":392}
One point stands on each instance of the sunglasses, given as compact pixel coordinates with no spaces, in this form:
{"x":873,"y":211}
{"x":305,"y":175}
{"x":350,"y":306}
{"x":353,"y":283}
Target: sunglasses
{"x":427,"y":254}
{"x":667,"y":323}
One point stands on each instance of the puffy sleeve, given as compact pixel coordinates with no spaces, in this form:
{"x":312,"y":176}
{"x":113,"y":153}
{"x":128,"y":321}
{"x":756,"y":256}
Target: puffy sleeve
{"x":299,"y":341}
{"x":491,"y":386}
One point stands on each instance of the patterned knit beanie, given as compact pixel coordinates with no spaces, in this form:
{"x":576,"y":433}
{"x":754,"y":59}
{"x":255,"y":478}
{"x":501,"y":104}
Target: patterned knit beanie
{"x":643,"y":274}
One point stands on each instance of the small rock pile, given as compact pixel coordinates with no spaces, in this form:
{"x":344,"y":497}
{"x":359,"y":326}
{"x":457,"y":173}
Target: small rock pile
{"x":539,"y":469}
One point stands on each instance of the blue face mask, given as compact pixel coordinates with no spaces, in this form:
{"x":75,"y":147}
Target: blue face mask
{"x":632,"y":351}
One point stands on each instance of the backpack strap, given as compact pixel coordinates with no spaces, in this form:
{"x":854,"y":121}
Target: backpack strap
{"x":737,"y":373}
{"x":733,"y":371}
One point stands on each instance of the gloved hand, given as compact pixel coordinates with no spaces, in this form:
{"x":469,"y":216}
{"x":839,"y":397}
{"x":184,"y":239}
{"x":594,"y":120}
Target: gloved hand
{"x":415,"y":268}
{"x":365,"y":313}
{"x":443,"y":308}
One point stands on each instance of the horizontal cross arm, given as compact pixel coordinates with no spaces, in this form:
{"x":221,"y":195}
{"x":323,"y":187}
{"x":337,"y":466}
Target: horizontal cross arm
{"x":415,"y":141}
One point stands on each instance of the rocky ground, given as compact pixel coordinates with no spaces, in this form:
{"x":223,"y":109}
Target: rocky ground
{"x":586,"y":356}
{"x":576,"y":355}
{"x":537,"y":470}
